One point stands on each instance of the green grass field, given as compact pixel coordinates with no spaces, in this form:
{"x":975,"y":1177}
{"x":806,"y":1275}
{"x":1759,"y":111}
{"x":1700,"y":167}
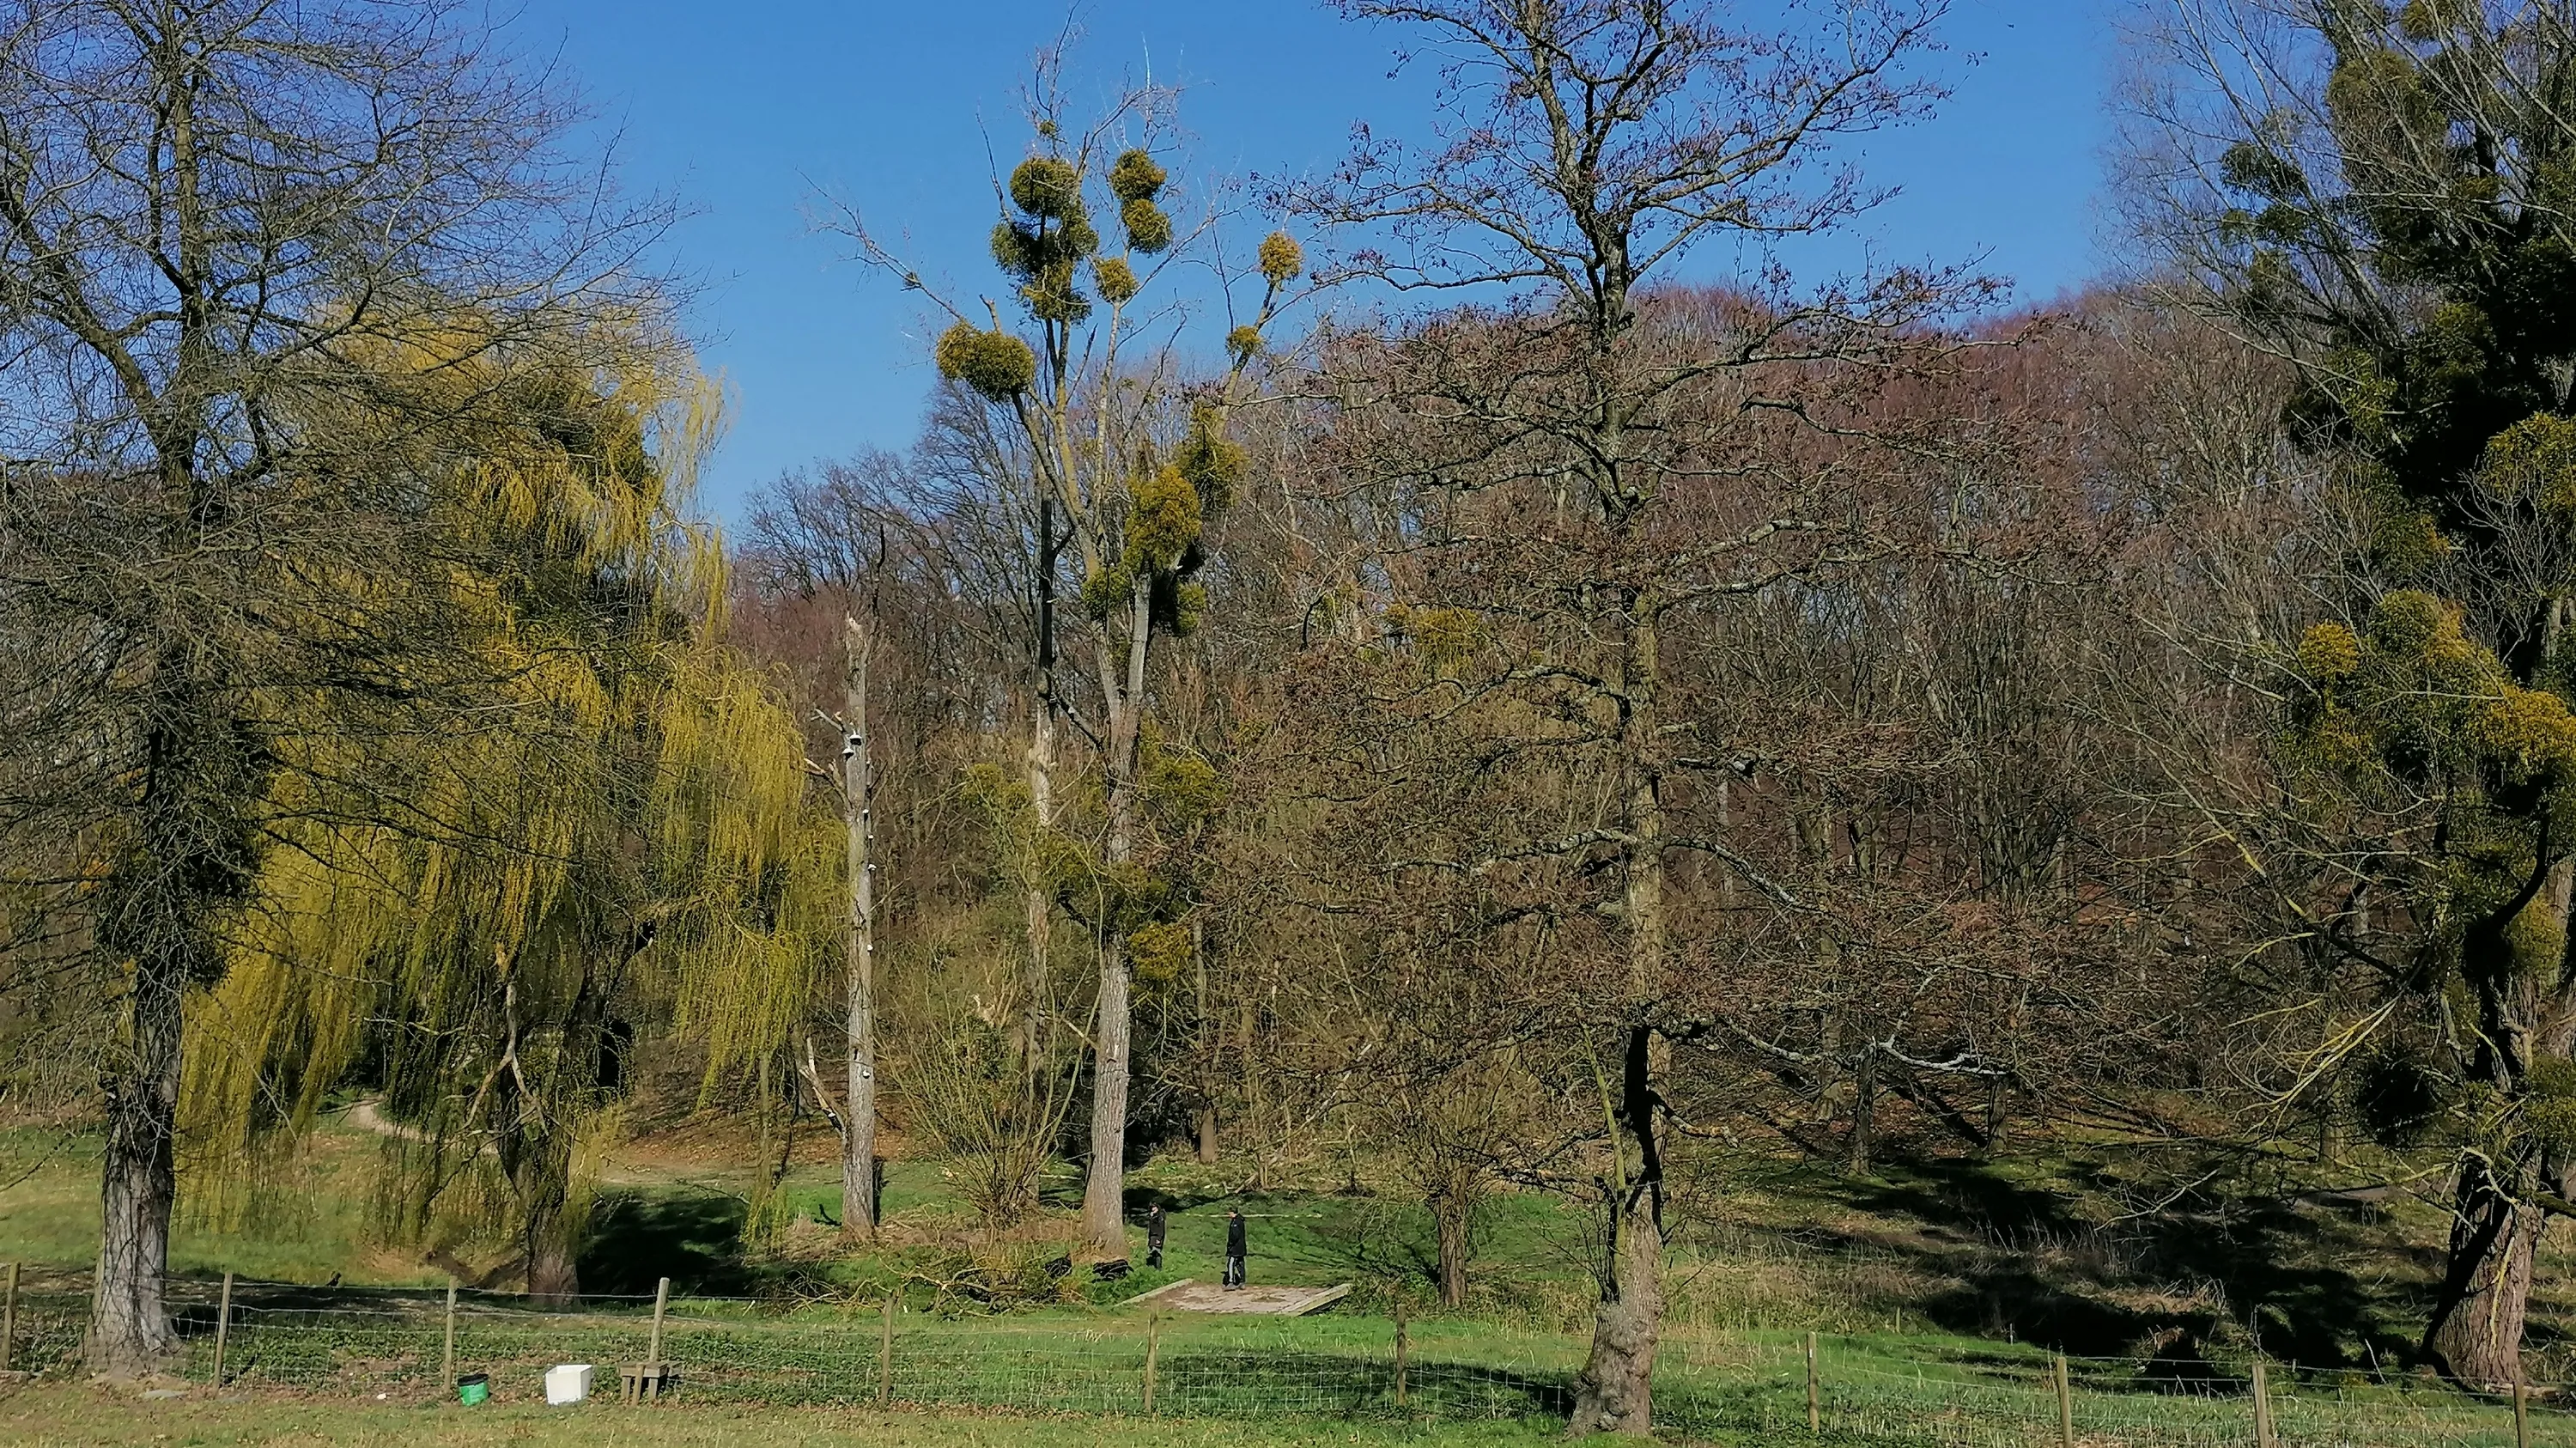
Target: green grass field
{"x":1336,"y":1373}
{"x":80,"y":1417}
{"x":1930,"y":1284}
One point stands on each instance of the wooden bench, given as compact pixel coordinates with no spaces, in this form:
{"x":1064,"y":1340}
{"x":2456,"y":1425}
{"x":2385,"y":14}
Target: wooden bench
{"x":642,"y":1382}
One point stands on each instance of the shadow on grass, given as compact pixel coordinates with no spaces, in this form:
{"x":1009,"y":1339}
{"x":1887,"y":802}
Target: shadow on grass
{"x":2025,"y":1265}
{"x":1230,"y":1384}
{"x":696,"y":1241}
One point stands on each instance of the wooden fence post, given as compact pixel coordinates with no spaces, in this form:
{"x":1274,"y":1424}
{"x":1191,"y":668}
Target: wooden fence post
{"x":1400,"y":1346}
{"x":223,"y":1327}
{"x":9,"y":1320}
{"x":447,"y":1354}
{"x":2065,"y":1406}
{"x":1153,"y":1347}
{"x":661,"y":1300}
{"x":2262,"y":1407}
{"x":2521,"y":1406}
{"x":885,"y":1358}
{"x":1815,"y":1390}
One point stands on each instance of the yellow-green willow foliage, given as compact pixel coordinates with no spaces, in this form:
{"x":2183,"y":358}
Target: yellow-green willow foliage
{"x":610,"y":826}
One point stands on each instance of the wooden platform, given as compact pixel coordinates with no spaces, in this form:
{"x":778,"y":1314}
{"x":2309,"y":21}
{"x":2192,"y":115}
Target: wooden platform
{"x":1188,"y":1295}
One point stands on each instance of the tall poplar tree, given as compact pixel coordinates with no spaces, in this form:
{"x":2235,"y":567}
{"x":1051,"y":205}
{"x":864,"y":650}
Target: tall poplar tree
{"x":1126,"y":462}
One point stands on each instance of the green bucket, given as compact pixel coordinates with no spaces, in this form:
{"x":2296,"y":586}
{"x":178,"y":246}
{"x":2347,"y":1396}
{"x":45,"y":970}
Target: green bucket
{"x":473,"y":1389}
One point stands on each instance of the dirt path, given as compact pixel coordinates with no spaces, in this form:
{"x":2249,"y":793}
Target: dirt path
{"x":366,"y":1117}
{"x":1188,"y":1295}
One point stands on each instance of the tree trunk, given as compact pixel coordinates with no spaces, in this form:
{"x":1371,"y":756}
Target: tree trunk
{"x":1036,"y":908}
{"x":156,"y":913}
{"x":541,"y":1177}
{"x":1450,"y":1213}
{"x":858,"y":790}
{"x":2476,"y":1332}
{"x":1246,"y":1033}
{"x":1104,"y":1190}
{"x":1641,"y":672}
{"x":1208,"y":1034}
{"x":1036,"y":987}
{"x":554,"y":1279}
{"x":1615,"y":1393}
{"x":131,"y":1334}
{"x":1856,"y":1140}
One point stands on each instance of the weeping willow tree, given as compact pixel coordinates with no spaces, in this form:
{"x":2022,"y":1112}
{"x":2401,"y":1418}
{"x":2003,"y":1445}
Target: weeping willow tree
{"x":622,"y":834}
{"x":214,"y":215}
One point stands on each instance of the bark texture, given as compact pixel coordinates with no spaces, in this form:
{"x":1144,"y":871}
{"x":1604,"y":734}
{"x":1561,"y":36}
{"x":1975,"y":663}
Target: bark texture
{"x":131,"y":1334}
{"x":1615,"y":1393}
{"x":1453,"y":1226}
{"x":2476,"y":1333}
{"x":1104,"y":1189}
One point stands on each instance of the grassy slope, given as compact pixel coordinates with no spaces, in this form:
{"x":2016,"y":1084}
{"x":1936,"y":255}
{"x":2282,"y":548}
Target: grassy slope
{"x":304,"y":1227}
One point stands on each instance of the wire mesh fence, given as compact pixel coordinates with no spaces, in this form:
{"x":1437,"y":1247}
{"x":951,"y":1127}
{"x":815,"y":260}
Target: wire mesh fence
{"x":1892,"y":1390}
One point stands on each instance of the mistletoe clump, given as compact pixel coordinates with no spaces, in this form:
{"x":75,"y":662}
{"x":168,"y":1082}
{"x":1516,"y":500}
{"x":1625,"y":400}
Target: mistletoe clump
{"x":1282,"y":260}
{"x":1213,"y":464}
{"x":1045,"y":247}
{"x":994,"y":363}
{"x":1136,"y":181}
{"x":1116,"y":279}
{"x":1165,"y":519}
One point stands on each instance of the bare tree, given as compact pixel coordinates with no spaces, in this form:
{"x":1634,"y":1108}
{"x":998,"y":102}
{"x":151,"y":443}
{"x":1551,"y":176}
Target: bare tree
{"x":1587,"y":146}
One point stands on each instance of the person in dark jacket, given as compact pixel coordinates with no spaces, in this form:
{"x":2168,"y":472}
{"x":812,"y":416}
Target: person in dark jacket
{"x":1154,"y":1236}
{"x":1234,"y":1251}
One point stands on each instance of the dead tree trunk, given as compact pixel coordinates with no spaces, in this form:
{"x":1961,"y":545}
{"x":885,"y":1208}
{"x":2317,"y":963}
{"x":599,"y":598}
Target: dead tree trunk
{"x":858,"y":791}
{"x":1207,"y":1049}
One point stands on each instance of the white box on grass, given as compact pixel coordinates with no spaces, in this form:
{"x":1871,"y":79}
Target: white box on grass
{"x":569,"y":1383}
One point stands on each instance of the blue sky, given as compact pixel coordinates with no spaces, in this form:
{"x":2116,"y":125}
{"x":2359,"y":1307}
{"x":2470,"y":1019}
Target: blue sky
{"x":751,"y":112}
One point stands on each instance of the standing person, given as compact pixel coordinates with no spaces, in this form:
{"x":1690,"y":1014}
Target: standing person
{"x":1234,"y":1251}
{"x":1154,"y":1236}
